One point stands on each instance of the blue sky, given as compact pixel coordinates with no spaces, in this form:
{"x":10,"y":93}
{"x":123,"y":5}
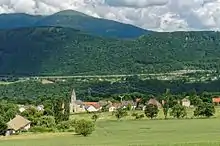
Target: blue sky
{"x":160,"y":15}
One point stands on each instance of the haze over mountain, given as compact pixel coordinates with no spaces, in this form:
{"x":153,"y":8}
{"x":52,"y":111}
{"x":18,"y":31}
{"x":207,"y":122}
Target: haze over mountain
{"x":73,"y":19}
{"x":66,"y":51}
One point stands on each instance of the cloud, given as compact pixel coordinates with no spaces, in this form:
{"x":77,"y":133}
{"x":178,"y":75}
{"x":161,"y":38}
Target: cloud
{"x":160,"y":15}
{"x":136,"y":3}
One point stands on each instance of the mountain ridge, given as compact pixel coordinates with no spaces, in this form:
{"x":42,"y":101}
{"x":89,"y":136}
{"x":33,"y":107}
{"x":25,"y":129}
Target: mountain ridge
{"x":73,"y":19}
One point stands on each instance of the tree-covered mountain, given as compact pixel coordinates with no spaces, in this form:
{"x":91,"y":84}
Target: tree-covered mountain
{"x":66,"y":51}
{"x":73,"y":19}
{"x":17,"y":20}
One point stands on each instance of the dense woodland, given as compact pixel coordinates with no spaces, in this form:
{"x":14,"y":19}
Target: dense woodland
{"x":132,"y":87}
{"x":65,"y":51}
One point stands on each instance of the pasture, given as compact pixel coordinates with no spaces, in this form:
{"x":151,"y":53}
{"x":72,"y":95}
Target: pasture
{"x":110,"y":132}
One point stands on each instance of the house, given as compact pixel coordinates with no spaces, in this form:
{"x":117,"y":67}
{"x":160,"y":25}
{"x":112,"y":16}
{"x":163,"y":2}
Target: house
{"x":186,"y":102}
{"x":92,"y":106}
{"x":130,"y":103}
{"x":40,"y":108}
{"x":111,"y":108}
{"x":154,"y":102}
{"x":17,"y":124}
{"x":216,"y":100}
{"x":21,"y":109}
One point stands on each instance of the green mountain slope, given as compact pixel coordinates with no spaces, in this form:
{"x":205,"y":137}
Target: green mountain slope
{"x":65,"y":51}
{"x":73,"y":19}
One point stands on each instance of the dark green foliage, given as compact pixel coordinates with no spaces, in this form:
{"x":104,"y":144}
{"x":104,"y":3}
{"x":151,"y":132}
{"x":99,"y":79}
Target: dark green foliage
{"x":8,"y":111}
{"x":120,"y":113}
{"x":205,"y":109}
{"x":32,"y":115}
{"x":66,"y":125}
{"x":166,"y":109}
{"x":151,"y":111}
{"x":3,"y":127}
{"x":46,"y":121}
{"x":60,"y":51}
{"x":178,"y":111}
{"x":137,"y":116}
{"x":84,"y":127}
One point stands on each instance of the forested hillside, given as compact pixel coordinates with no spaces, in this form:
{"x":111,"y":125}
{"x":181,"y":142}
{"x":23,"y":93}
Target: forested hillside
{"x":75,"y":20}
{"x":66,"y":51}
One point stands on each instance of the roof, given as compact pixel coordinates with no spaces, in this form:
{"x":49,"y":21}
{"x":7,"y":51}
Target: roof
{"x":17,"y":123}
{"x":154,"y":102}
{"x":185,"y":100}
{"x":94,"y":104}
{"x":217,"y":100}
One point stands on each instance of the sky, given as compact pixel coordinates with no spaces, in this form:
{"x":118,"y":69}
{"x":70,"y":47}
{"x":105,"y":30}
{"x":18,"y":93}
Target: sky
{"x":159,"y":15}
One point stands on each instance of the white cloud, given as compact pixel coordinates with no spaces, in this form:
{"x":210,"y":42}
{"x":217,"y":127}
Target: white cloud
{"x":161,"y":15}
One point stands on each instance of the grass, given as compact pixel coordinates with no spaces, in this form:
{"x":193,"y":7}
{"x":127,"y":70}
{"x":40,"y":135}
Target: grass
{"x":110,"y":132}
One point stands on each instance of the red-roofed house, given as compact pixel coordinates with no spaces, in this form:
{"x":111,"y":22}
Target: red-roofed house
{"x":216,"y":100}
{"x":92,"y":106}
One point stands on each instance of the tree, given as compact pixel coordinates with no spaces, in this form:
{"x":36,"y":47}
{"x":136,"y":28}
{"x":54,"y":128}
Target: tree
{"x":165,"y":109}
{"x":46,"y":121}
{"x":84,"y":127}
{"x":205,"y":109}
{"x":178,"y":111}
{"x":95,"y":117}
{"x":3,"y":127}
{"x":120,"y":113}
{"x":151,"y":111}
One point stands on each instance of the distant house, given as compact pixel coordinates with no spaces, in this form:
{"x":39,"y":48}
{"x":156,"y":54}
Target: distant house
{"x":111,"y":108}
{"x":17,"y":124}
{"x":216,"y":100}
{"x":155,"y":102}
{"x":40,"y":108}
{"x":21,"y":109}
{"x":92,"y":106}
{"x":186,"y":102}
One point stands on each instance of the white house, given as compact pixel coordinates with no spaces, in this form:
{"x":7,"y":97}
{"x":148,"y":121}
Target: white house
{"x":111,"y":109}
{"x":186,"y":102}
{"x":91,"y":108}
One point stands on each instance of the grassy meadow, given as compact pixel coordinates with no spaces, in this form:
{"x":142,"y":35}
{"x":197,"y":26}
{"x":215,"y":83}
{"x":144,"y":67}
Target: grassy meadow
{"x":110,"y":132}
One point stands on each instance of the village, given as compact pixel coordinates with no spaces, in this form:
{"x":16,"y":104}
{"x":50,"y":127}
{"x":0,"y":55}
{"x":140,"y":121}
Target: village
{"x":20,"y":123}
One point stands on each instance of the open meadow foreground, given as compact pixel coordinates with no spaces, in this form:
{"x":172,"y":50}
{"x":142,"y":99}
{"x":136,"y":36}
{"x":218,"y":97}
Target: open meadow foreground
{"x":185,"y":132}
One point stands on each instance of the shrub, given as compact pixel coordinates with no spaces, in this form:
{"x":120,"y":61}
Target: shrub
{"x":84,"y":127}
{"x":204,"y":109}
{"x":151,"y":111}
{"x":46,"y":121}
{"x":137,"y":116}
{"x":66,"y":126}
{"x":178,"y":111}
{"x":120,"y":113}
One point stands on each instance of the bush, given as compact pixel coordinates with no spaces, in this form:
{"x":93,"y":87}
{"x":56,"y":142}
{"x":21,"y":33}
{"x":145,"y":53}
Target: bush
{"x":178,"y":111}
{"x":204,"y":109}
{"x":66,"y":126}
{"x":151,"y":111}
{"x":120,"y":113}
{"x":137,"y":116}
{"x":46,"y":121}
{"x":84,"y":127}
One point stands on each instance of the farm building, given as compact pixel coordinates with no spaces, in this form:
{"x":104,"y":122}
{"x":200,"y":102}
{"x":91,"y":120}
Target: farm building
{"x":17,"y":124}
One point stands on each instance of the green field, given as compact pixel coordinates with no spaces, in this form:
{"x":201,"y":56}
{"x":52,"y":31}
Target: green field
{"x":200,"y":132}
{"x":110,"y":132}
